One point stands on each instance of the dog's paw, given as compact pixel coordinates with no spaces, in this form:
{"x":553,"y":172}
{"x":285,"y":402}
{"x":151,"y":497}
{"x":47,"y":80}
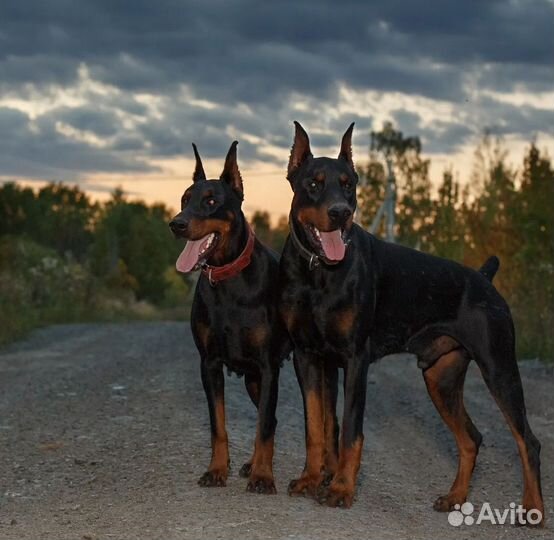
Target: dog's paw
{"x":335,"y":495}
{"x":245,"y":470}
{"x":213,"y":478}
{"x":305,"y":486}
{"x":445,"y":503}
{"x":261,"y":484}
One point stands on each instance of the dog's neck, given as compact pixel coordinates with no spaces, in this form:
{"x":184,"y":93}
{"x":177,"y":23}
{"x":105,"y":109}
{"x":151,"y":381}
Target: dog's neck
{"x":232,"y":244}
{"x":300,"y":242}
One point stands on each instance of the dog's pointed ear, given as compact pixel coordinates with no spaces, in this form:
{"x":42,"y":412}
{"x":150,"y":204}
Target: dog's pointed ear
{"x":346,"y":146}
{"x":300,"y":150}
{"x":198,"y":173}
{"x":231,"y":173}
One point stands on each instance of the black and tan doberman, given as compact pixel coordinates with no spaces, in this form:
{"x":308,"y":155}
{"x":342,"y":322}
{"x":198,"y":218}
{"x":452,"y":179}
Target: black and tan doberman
{"x":234,"y":316}
{"x":349,"y":298}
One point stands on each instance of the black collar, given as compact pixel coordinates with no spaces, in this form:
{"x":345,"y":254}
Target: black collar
{"x":313,"y":259}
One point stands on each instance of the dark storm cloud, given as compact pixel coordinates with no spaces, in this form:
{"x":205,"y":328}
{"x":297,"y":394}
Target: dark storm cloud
{"x":441,"y":136}
{"x":521,"y":120}
{"x":42,"y":152}
{"x":259,"y":54}
{"x":444,"y":137}
{"x":509,"y":77}
{"x":410,"y":122}
{"x":101,"y":123}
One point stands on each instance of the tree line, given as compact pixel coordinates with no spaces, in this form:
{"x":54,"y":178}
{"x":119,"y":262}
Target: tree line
{"x":502,"y":210}
{"x":65,"y":258}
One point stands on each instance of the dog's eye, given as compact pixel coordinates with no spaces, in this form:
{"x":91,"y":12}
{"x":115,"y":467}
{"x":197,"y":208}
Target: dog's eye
{"x":211,"y":201}
{"x":313,"y":186}
{"x":347,"y":184}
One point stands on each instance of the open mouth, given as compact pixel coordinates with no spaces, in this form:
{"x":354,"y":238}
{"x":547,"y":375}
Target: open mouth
{"x":196,"y":253}
{"x":331,"y":245}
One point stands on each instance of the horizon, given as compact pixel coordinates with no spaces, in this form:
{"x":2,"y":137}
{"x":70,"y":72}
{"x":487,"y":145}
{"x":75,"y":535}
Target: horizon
{"x":170,"y":188}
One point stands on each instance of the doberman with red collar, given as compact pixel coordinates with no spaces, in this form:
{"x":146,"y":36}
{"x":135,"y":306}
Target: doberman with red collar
{"x":349,"y":298}
{"x":234,"y":316}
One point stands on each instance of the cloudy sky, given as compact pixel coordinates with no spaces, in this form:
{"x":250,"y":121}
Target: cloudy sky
{"x":110,"y":92}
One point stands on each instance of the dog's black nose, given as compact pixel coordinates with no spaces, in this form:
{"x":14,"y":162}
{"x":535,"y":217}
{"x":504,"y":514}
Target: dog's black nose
{"x":339,"y":212}
{"x":178,"y":226}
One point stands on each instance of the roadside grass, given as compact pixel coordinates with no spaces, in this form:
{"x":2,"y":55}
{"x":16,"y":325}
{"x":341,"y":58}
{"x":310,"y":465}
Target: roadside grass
{"x":39,"y":288}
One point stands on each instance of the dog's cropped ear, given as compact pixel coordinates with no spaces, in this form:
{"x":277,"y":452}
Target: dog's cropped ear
{"x":300,"y":150}
{"x":198,"y":173}
{"x":231,"y":173}
{"x":346,"y":146}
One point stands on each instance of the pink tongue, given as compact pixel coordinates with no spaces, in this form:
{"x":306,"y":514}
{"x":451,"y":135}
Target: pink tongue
{"x":190,"y":255}
{"x":332,"y":244}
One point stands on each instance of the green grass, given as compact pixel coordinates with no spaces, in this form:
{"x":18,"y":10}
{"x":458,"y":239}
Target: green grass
{"x":39,"y":288}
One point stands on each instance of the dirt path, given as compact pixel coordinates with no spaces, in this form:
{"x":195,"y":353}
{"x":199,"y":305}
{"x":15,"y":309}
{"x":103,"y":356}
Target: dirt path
{"x":104,"y":432}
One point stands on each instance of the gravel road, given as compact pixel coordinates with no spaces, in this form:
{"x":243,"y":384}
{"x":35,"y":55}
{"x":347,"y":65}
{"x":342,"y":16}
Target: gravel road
{"x":104,"y":432}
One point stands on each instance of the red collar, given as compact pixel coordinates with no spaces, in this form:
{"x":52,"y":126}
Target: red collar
{"x":219,"y":273}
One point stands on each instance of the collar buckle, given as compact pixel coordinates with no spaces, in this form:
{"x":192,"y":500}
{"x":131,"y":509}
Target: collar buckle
{"x":207,"y":271}
{"x":313,"y":259}
{"x":212,"y":282}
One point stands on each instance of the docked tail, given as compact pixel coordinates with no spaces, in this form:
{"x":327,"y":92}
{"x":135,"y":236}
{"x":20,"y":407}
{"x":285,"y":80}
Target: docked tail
{"x":490,"y":267}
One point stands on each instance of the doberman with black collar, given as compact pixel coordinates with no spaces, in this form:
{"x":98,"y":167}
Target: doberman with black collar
{"x":349,"y":298}
{"x":234,"y":316}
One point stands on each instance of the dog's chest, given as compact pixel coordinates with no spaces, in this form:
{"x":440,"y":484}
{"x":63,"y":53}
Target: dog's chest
{"x":238,"y":336}
{"x":323,"y":321}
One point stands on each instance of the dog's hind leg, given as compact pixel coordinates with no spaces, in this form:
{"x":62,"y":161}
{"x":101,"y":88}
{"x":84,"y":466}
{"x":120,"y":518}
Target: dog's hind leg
{"x":499,"y":367}
{"x":252,"y":385}
{"x":445,"y":384}
{"x":261,"y":472}
{"x":213,"y":382}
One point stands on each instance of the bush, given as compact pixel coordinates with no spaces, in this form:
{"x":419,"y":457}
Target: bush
{"x":38,"y":286}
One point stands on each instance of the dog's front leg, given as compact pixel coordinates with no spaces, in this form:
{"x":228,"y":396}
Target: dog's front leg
{"x":261,"y":475}
{"x":340,"y":492}
{"x":214,"y":384}
{"x":330,"y":391}
{"x":309,"y":371}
